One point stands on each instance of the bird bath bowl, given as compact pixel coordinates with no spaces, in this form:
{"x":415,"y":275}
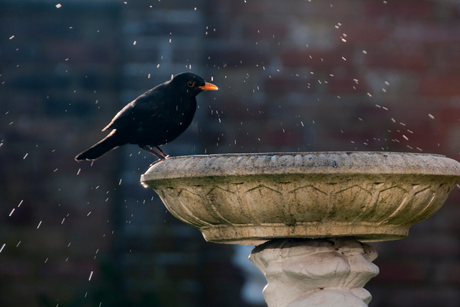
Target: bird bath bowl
{"x":253,"y":198}
{"x":315,"y":209}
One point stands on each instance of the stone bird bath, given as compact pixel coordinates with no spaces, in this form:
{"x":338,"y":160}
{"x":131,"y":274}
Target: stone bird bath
{"x":308,"y":213}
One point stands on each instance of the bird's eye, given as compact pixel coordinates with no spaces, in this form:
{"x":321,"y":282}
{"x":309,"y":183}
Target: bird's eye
{"x":191,"y":83}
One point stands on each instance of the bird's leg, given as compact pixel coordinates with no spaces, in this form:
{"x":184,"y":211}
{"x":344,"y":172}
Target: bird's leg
{"x":153,"y":152}
{"x":162,"y":152}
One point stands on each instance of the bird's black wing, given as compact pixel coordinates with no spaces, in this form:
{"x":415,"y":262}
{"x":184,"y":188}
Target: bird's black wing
{"x":147,"y":105}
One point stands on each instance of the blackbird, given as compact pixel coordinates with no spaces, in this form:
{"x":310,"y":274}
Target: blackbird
{"x":154,"y":118}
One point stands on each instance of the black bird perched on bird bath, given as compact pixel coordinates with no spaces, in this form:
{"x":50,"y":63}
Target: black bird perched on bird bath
{"x":156,"y":117}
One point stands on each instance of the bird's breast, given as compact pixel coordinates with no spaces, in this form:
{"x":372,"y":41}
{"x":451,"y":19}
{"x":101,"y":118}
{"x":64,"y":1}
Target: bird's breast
{"x":164,"y":127}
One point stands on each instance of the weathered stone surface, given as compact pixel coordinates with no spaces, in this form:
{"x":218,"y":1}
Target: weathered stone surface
{"x":322,"y":272}
{"x":252,"y":198}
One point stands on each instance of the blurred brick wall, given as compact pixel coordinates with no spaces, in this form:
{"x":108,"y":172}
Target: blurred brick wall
{"x":293,"y":76}
{"x":348,"y":75}
{"x":59,"y":80}
{"x":158,"y":254}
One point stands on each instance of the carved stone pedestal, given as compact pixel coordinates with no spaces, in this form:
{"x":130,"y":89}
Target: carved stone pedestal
{"x":313,"y":208}
{"x":321,"y":272}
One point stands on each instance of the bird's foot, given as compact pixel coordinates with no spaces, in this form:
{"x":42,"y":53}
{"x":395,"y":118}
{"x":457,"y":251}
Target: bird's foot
{"x":161,"y":156}
{"x":156,"y":162}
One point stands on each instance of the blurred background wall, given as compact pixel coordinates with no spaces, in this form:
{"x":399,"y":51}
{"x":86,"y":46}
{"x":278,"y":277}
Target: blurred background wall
{"x":293,"y":76}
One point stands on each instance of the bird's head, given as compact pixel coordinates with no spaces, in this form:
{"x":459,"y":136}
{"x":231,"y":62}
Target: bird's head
{"x":191,"y":83}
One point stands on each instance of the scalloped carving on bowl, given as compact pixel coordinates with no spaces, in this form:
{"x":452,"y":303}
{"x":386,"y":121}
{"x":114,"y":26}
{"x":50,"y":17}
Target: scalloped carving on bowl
{"x":253,"y":198}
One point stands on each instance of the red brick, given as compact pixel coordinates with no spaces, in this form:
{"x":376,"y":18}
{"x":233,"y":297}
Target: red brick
{"x":399,"y":9}
{"x":70,"y":270}
{"x":365,"y":32}
{"x":449,"y":114}
{"x":441,"y":86}
{"x":449,"y":273}
{"x":424,"y":133}
{"x":11,"y":266}
{"x":450,"y":221}
{"x":141,"y":53}
{"x":448,"y":58}
{"x":416,"y":61}
{"x":236,"y":57}
{"x":400,"y":272}
{"x":239,"y":110}
{"x":428,"y":246}
{"x":331,"y":140}
{"x":284,"y":137}
{"x":427,"y":34}
{"x":317,"y":58}
{"x":346,"y":84}
{"x":265,"y":31}
{"x":218,"y":29}
{"x":40,"y":81}
{"x":40,"y":25}
{"x":79,"y":52}
{"x":333,"y":8}
{"x":278,"y":85}
{"x":424,"y":297}
{"x":216,"y":7}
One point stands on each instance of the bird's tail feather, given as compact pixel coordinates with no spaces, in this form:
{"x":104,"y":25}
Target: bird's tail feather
{"x":98,"y":149}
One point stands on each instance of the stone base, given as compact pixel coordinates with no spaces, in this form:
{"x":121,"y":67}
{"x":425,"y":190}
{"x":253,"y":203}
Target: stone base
{"x":258,"y":234}
{"x":316,"y":272}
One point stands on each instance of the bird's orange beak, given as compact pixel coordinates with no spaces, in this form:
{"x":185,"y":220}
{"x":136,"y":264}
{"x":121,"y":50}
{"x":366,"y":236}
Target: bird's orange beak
{"x":209,"y":87}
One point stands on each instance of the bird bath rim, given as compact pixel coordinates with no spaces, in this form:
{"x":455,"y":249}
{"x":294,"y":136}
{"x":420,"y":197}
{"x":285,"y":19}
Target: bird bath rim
{"x":188,"y":162}
{"x":253,"y":198}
